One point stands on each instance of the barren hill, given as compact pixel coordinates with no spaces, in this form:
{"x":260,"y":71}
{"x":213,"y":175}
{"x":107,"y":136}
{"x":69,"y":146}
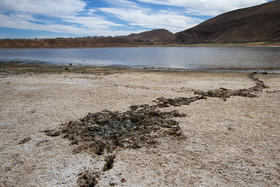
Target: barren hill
{"x":258,"y":23}
{"x":157,"y":35}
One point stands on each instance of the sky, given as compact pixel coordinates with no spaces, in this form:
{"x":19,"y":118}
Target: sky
{"x":82,"y":18}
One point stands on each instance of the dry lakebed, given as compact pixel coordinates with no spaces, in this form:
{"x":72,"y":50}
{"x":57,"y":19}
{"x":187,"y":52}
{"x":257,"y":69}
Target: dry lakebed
{"x":94,"y":126}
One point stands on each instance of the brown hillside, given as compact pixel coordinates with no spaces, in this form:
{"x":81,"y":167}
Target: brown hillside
{"x":157,"y":35}
{"x":258,"y":23}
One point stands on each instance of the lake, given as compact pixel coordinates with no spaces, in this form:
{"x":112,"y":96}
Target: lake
{"x":190,"y":58}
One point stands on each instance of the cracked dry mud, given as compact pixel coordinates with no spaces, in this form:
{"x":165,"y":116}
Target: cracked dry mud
{"x":141,"y":126}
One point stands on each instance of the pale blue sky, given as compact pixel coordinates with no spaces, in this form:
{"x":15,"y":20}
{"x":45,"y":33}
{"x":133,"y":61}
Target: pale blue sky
{"x":78,"y":18}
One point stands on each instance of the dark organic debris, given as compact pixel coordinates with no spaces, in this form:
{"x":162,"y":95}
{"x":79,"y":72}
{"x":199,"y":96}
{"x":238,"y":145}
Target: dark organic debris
{"x":140,"y":126}
{"x":4,"y":71}
{"x":164,"y":102}
{"x":88,"y":179}
{"x":136,"y":128}
{"x":109,"y":162}
{"x":227,"y":93}
{"x":274,"y":91}
{"x":42,"y":142}
{"x":123,"y":180}
{"x":25,"y":140}
{"x":52,"y":133}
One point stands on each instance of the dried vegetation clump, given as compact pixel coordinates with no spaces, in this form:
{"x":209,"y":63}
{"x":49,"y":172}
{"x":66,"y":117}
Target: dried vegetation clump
{"x":227,"y":93}
{"x":105,"y":131}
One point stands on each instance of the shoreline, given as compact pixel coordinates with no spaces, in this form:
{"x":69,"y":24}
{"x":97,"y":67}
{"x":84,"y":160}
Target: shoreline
{"x":22,"y":67}
{"x":244,"y":44}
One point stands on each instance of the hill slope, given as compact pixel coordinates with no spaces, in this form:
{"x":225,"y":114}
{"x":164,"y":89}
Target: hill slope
{"x":258,"y":23}
{"x":157,"y":35}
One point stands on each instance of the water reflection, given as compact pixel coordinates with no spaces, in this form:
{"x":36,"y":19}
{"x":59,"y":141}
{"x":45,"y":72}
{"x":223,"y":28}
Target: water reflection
{"x":158,"y":57}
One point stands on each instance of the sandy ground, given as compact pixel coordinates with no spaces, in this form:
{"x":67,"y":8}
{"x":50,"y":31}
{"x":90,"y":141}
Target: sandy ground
{"x":228,"y":143}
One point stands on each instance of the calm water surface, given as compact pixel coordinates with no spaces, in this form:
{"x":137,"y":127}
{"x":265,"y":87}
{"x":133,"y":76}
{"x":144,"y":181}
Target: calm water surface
{"x":192,"y":58}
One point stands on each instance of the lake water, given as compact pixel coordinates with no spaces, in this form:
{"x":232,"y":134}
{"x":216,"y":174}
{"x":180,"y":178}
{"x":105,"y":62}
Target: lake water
{"x":191,"y":58}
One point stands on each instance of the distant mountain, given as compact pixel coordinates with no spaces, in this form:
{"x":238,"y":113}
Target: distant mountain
{"x":258,"y":23}
{"x":157,"y":35}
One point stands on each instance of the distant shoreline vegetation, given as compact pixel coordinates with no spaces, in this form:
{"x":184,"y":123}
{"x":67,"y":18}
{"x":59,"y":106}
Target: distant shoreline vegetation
{"x":94,"y":42}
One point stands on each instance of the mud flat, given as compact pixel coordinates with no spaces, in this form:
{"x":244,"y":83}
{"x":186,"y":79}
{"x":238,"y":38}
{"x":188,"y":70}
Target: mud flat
{"x":68,"y":126}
